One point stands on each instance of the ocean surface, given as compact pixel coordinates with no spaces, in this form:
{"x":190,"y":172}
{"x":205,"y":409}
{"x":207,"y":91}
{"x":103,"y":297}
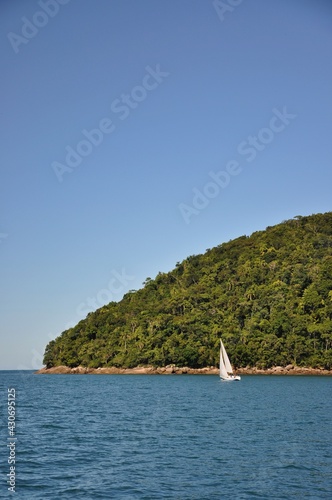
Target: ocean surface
{"x":184,"y":437}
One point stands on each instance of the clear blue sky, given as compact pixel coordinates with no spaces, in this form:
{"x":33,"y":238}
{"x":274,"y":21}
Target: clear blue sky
{"x":179,"y":89}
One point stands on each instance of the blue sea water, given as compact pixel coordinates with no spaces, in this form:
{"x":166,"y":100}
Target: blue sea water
{"x":168,"y":437}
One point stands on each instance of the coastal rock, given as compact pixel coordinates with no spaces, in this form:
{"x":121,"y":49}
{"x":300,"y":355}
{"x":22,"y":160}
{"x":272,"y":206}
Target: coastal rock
{"x":80,"y":370}
{"x":172,"y":369}
{"x":56,"y":370}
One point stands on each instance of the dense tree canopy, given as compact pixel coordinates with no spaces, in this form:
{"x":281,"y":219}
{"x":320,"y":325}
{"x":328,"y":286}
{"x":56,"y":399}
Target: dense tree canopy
{"x":269,"y":296}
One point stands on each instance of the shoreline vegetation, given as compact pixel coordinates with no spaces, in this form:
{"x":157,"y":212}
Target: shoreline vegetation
{"x":268,"y":296}
{"x":175,"y":370}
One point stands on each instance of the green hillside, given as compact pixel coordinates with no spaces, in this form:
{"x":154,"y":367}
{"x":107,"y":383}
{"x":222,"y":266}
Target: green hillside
{"x":269,"y":296}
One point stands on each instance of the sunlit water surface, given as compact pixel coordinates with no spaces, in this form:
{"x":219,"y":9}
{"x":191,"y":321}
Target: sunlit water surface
{"x":168,"y":437}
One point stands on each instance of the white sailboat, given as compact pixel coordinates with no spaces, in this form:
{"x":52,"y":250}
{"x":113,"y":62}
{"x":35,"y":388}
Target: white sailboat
{"x":226,"y":370}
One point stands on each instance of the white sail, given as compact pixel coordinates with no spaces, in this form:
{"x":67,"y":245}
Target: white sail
{"x":222,"y":367}
{"x":227,"y":363}
{"x":226,"y":370}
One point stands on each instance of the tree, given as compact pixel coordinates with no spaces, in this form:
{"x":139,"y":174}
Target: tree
{"x":269,"y":296}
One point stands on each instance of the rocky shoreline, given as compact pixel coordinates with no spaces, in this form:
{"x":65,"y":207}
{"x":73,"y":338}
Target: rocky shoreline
{"x":175,"y":370}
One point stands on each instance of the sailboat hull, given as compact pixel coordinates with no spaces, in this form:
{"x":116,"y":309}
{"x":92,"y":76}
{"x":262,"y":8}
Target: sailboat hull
{"x":231,"y":379}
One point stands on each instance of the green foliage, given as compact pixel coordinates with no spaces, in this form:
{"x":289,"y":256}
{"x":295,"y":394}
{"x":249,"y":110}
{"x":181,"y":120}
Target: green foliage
{"x":269,"y":296}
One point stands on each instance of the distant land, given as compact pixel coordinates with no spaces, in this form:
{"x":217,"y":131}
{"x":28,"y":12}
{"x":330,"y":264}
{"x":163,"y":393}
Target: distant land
{"x":176,"y":370}
{"x":268,"y":295}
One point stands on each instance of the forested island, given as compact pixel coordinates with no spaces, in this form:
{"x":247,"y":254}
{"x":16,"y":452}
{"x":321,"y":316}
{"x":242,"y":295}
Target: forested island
{"x":268,"y":295}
